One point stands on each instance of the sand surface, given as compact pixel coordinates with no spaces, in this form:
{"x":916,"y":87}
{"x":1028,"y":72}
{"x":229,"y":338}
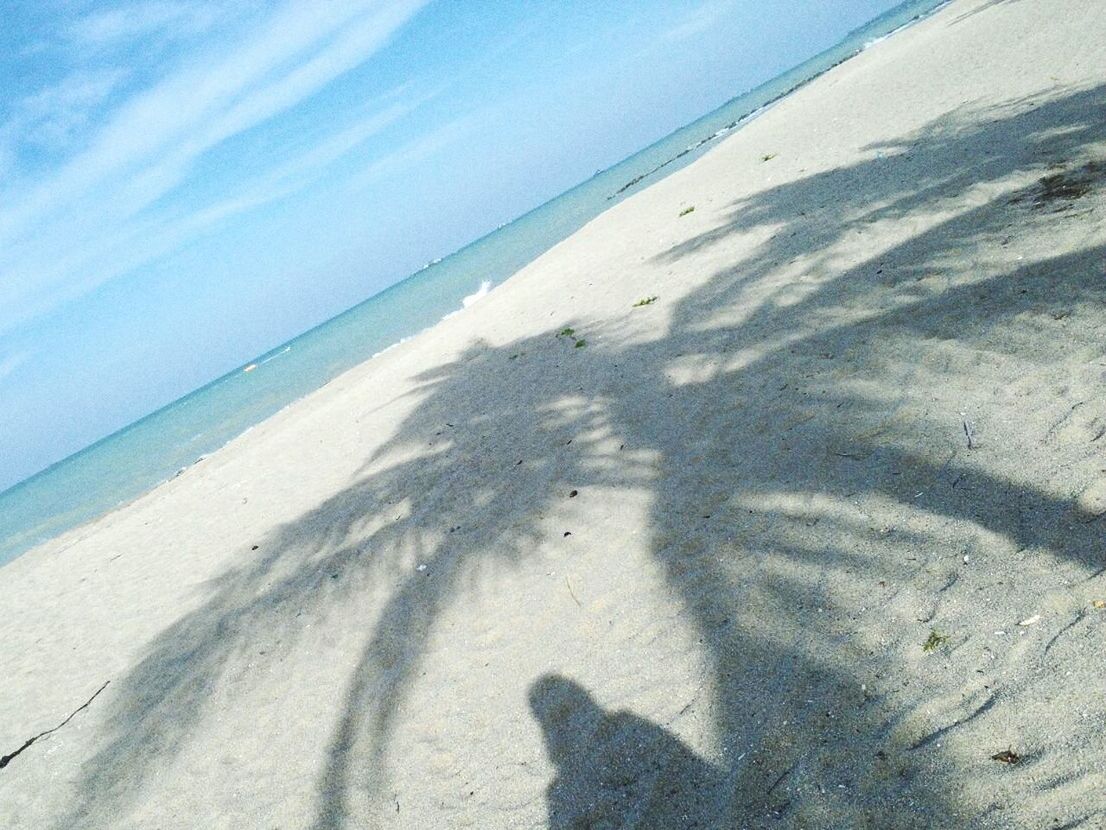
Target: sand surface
{"x":681,"y":575}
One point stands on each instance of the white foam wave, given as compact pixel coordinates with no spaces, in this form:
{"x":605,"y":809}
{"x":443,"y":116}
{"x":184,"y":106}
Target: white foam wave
{"x":471,"y":299}
{"x":480,"y":293}
{"x":395,"y":345}
{"x":892,"y":33}
{"x":275,"y":356}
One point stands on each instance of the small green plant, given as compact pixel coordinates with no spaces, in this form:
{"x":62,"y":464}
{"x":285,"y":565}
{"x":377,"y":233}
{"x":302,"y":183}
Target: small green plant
{"x":566,"y":332}
{"x":934,"y":641}
{"x":644,"y":301}
{"x":580,"y":344}
{"x":687,"y":210}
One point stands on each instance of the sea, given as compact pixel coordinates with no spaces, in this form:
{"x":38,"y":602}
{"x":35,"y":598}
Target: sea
{"x":136,"y":459}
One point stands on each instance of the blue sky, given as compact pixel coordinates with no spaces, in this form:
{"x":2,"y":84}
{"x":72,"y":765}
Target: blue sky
{"x":185,"y":184}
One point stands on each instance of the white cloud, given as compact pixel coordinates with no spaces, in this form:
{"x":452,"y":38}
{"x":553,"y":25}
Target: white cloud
{"x":86,"y":88}
{"x":9,"y":363}
{"x":52,"y":116}
{"x":106,"y":27}
{"x":62,"y":236}
{"x":700,"y":20}
{"x":414,"y":151}
{"x":294,"y":174}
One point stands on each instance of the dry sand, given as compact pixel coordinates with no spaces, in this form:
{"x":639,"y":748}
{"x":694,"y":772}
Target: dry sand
{"x":385,"y":607}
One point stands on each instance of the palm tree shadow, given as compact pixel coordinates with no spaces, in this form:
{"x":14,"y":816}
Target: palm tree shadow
{"x":795,"y":490}
{"x":982,"y":7}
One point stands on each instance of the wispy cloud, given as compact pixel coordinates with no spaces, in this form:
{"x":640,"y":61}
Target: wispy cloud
{"x":52,"y":116}
{"x":289,"y":177}
{"x":704,"y":17}
{"x":10,"y":362}
{"x":90,"y":207}
{"x":108,"y":27}
{"x":412,"y":152}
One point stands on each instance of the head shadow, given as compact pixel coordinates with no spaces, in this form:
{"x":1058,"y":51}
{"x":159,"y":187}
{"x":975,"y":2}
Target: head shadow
{"x":615,"y":769}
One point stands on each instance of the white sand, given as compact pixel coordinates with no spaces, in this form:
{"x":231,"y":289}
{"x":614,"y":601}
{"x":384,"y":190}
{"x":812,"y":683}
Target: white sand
{"x":776,"y":506}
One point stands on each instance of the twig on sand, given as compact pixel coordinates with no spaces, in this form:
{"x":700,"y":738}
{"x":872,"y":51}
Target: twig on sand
{"x":7,"y":759}
{"x":1063,"y":420}
{"x":969,"y":432}
{"x":572,"y":593}
{"x":779,"y":780}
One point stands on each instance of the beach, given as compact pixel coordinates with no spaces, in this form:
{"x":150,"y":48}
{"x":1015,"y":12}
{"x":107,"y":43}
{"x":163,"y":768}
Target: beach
{"x":773,"y":497}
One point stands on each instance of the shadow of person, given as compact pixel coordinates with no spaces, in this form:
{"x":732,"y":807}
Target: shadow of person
{"x":617,"y":770}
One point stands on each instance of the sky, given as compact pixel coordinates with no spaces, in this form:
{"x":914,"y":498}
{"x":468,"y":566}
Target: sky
{"x":185,"y":184}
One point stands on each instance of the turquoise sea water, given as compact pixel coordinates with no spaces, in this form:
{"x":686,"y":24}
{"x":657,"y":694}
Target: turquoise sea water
{"x":134,"y":460}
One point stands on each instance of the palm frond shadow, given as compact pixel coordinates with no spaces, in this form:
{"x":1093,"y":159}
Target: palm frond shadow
{"x":982,"y":7}
{"x":798,"y":487}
